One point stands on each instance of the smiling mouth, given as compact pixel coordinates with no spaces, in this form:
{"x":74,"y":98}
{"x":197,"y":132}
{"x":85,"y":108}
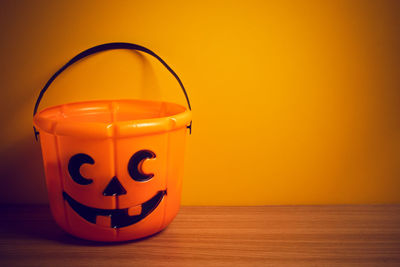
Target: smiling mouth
{"x":119,"y":217}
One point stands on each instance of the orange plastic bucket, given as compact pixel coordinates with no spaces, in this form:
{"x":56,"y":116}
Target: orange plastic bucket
{"x":113,"y":168}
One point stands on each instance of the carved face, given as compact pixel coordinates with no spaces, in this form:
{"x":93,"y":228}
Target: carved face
{"x":117,"y":218}
{"x":116,"y":189}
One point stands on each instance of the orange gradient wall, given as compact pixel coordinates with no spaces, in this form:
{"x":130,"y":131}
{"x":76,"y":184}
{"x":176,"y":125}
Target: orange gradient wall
{"x":294,"y":102}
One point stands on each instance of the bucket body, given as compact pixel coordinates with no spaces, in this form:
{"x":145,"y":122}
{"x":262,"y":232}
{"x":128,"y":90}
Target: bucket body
{"x":113,"y":168}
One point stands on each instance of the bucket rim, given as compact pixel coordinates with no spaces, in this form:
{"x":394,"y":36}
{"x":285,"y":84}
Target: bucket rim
{"x":60,"y":126}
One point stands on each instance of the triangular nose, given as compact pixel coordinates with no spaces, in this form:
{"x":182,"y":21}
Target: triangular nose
{"x":114,"y":188}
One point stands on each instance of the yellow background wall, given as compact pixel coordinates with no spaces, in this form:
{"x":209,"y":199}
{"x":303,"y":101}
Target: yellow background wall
{"x":295,"y":102}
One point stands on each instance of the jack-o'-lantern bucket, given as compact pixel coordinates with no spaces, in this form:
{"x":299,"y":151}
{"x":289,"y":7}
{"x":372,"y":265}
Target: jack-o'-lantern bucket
{"x":113,"y":168}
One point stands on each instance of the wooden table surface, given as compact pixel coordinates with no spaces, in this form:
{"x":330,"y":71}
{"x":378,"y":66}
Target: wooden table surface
{"x":367,"y":235}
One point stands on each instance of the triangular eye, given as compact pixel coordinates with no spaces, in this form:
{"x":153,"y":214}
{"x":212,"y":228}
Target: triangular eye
{"x":74,"y":165}
{"x":135,"y":163}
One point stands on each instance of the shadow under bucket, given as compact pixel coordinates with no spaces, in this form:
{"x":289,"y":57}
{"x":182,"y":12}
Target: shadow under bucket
{"x":113,"y":168}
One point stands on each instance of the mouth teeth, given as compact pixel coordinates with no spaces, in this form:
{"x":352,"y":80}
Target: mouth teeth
{"x":136,"y":210}
{"x":103,"y":220}
{"x":116,"y":218}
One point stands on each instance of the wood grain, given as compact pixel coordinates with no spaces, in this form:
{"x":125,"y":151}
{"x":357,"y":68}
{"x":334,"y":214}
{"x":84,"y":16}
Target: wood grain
{"x":217,"y":236}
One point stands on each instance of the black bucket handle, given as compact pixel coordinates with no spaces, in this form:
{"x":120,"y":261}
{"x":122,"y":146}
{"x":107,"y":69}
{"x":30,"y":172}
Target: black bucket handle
{"x":104,"y":47}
